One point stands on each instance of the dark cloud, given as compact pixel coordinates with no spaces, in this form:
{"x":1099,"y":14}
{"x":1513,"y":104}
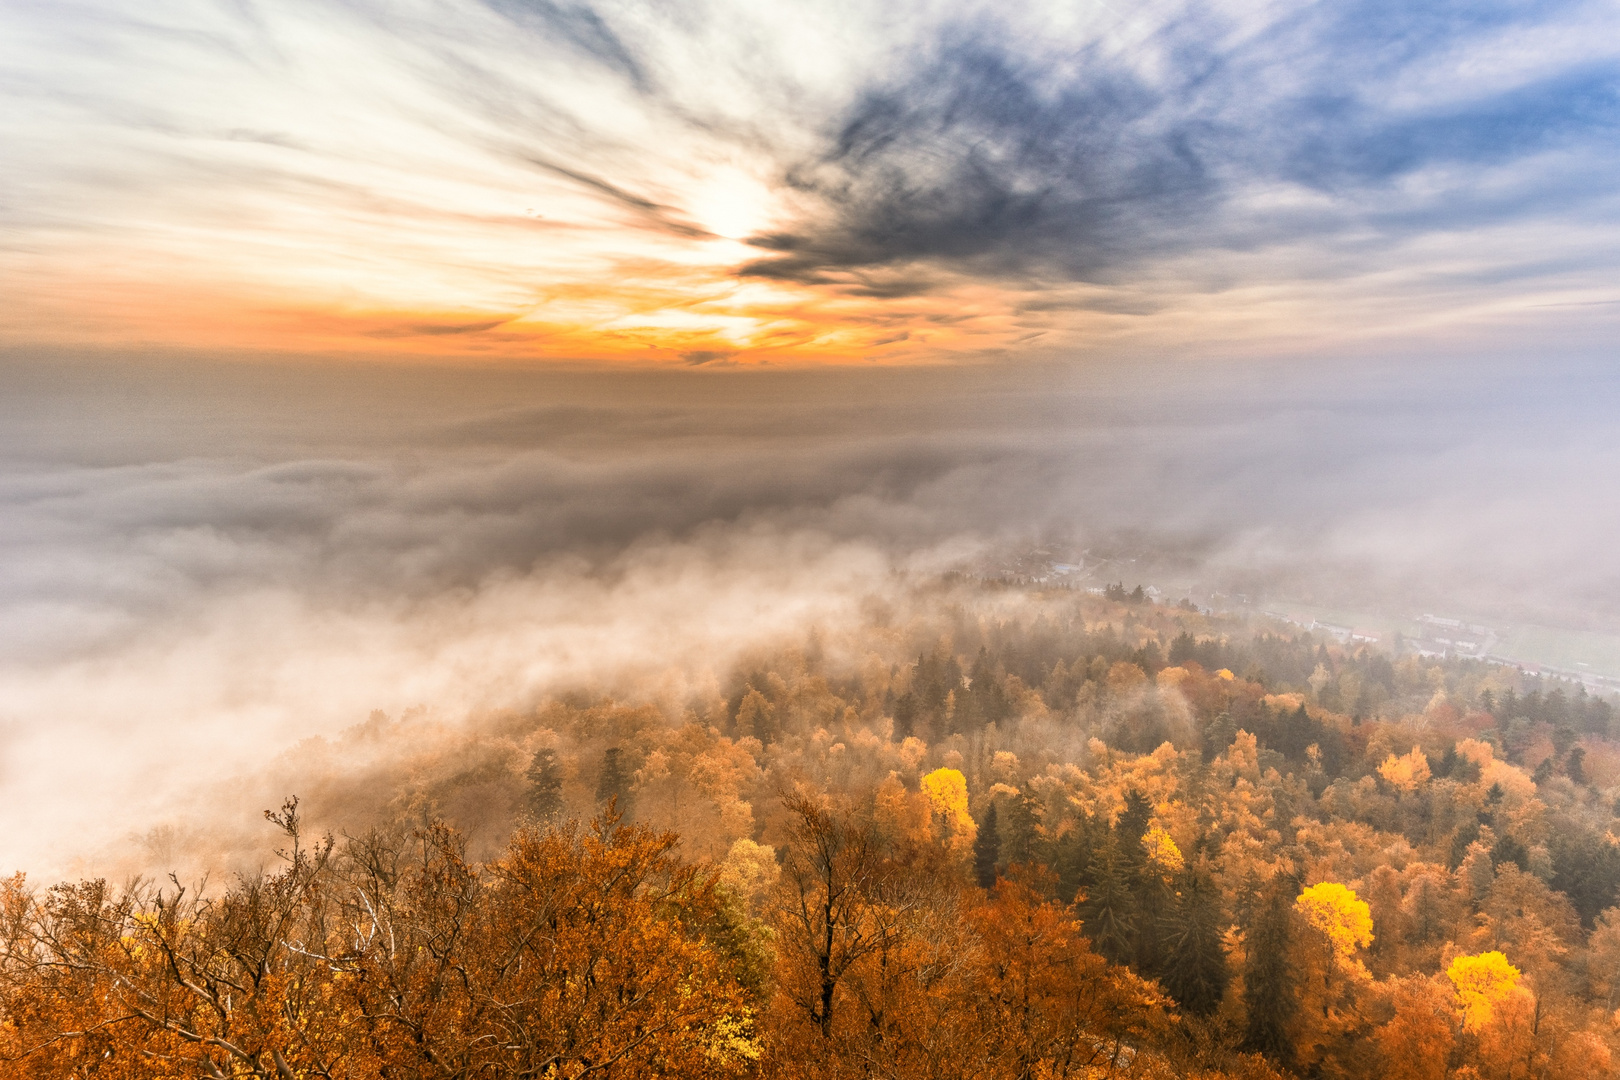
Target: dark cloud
{"x":436,"y":329}
{"x":989,"y":156}
{"x":973,"y":164}
{"x":663,"y":218}
{"x":580,"y":26}
{"x":700,"y":357}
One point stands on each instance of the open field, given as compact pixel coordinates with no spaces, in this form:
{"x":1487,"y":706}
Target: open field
{"x":1571,"y":650}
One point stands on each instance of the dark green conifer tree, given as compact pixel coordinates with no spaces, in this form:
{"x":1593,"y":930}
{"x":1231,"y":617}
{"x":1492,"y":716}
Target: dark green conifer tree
{"x":1108,"y":913}
{"x":987,"y":850}
{"x":1575,"y":767}
{"x":905,"y":715}
{"x":613,"y":783}
{"x":986,"y":698}
{"x":756,"y":717}
{"x":544,"y":796}
{"x":1249,"y":900}
{"x":1295,"y":732}
{"x":1218,"y":735}
{"x":1133,"y":824}
{"x":1195,"y":971}
{"x":1072,"y":856}
{"x":1020,"y":837}
{"x":1268,"y":978}
{"x":1155,"y":905}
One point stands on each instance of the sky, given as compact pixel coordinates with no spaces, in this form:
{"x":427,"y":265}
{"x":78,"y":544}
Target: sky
{"x":796,"y":183}
{"x":442,"y":355}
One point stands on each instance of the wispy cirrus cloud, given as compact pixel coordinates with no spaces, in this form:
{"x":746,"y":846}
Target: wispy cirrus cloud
{"x":990,"y":156}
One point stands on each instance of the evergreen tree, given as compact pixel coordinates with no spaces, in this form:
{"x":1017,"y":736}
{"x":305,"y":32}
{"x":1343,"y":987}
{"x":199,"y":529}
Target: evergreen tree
{"x":1020,"y":838}
{"x":1072,"y":855}
{"x":1508,"y":849}
{"x":1268,"y":978}
{"x":985,"y":701}
{"x":1575,"y":767}
{"x":1249,"y":900}
{"x":1133,"y":824}
{"x":1155,"y":905}
{"x":1195,"y":971}
{"x":545,"y":785}
{"x":1295,"y":732}
{"x":987,"y":850}
{"x":934,"y":680}
{"x":905,"y":715}
{"x":613,"y":784}
{"x":1218,"y":735}
{"x":756,"y":717}
{"x":1586,"y":868}
{"x":1108,"y":912}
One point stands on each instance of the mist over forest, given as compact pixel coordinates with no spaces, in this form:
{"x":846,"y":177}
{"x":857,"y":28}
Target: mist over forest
{"x":281,"y":549}
{"x":834,"y":781}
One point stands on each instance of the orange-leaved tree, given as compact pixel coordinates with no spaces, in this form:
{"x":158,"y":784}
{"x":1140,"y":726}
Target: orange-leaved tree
{"x":582,"y":952}
{"x":1042,"y":1003}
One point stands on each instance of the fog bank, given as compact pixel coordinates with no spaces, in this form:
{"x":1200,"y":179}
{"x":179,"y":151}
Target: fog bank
{"x":203,"y":563}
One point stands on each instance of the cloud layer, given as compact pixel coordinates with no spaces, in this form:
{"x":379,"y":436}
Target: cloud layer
{"x":195,"y":581}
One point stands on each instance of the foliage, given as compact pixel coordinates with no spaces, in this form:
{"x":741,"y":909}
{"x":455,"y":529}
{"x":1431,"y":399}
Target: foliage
{"x":1161,"y":850}
{"x":987,"y":850}
{"x":1269,"y":977}
{"x":1154,"y":784}
{"x":1196,"y":972}
{"x":1342,"y":918}
{"x":545,"y":795}
{"x":1416,"y":1042}
{"x":1483,"y":983}
{"x":948,"y":795}
{"x":389,"y":957}
{"x":1407,"y":772}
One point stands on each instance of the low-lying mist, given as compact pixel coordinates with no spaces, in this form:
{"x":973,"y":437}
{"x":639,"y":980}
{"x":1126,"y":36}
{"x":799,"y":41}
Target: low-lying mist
{"x":205,"y":563}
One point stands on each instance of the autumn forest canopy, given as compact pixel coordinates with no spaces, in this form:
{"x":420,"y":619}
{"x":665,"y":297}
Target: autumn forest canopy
{"x":987,"y":832}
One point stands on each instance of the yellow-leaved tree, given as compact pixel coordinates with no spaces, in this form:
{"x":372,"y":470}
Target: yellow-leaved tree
{"x":1343,"y":919}
{"x":1330,"y":974}
{"x":1512,"y":1037}
{"x":1162,"y":851}
{"x":1407,"y":772}
{"x":1483,"y":983}
{"x":948,"y":795}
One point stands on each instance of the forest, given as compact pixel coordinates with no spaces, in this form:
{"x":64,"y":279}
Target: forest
{"x":990,"y":832}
